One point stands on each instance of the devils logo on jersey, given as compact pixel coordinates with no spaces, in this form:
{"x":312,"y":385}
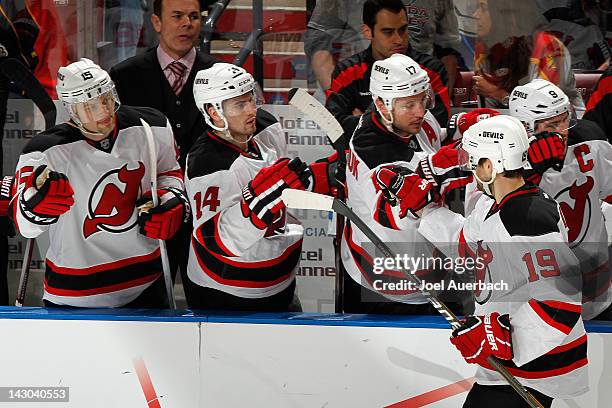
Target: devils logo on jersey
{"x":484,"y":256}
{"x":578,"y":216}
{"x":111,"y":204}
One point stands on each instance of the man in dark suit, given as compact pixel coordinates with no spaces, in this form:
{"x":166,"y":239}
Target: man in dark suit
{"x":162,"y":77}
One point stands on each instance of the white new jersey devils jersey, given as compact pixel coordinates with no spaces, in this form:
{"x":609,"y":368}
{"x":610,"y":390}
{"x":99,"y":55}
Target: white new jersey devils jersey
{"x":97,"y":257}
{"x":229,"y":253}
{"x":372,"y":147}
{"x":585,"y":180}
{"x":520,"y":245}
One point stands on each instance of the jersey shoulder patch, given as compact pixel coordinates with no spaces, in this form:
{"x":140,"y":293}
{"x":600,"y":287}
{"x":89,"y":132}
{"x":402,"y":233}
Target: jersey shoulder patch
{"x":57,"y":135}
{"x":264,"y":119}
{"x":208,"y":156}
{"x":530,"y":215}
{"x":377,"y":147}
{"x":128,"y":116}
{"x":584,"y":131}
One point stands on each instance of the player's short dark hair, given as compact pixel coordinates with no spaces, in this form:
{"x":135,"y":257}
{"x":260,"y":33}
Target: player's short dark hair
{"x":507,"y":173}
{"x":372,"y":7}
{"x":518,"y":173}
{"x":157,"y":7}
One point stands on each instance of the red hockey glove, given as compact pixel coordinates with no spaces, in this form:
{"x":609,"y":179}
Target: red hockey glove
{"x":443,"y":171}
{"x":484,"y":336}
{"x":546,"y":151}
{"x":262,"y":202}
{"x":6,"y":193}
{"x":460,"y":122}
{"x":324,"y":174}
{"x":412,"y":191}
{"x":163,"y":221}
{"x":47,"y":193}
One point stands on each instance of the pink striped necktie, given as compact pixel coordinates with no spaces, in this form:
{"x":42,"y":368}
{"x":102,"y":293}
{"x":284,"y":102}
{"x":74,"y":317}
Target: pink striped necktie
{"x":178,"y":69}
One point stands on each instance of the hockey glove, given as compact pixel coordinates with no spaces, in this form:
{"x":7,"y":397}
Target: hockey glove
{"x":460,"y":122}
{"x":412,"y":191}
{"x":47,"y":193}
{"x":6,"y":193}
{"x":484,"y":336}
{"x":163,"y":221}
{"x":546,"y":151}
{"x":324,"y":174}
{"x":443,"y":171}
{"x":262,"y":202}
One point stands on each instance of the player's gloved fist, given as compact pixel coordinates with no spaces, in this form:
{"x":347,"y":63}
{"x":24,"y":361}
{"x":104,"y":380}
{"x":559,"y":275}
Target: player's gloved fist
{"x":482,"y":336}
{"x":460,"y":122}
{"x":443,"y":171}
{"x":412,"y":191}
{"x":6,"y":194}
{"x":47,"y":193}
{"x":262,"y":202}
{"x":324,"y":174}
{"x":163,"y":221}
{"x":546,"y":150}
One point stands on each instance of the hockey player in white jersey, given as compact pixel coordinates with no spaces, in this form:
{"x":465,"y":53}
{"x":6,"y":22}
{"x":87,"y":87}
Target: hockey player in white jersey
{"x":576,"y":170}
{"x":394,"y":134}
{"x":83,"y":181}
{"x":245,"y":247}
{"x":532,"y":319}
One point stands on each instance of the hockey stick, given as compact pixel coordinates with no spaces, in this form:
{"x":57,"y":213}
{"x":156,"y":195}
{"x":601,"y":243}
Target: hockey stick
{"x":313,"y":201}
{"x":162,"y":244}
{"x":24,"y":79}
{"x":312,"y":108}
{"x":25,"y":273}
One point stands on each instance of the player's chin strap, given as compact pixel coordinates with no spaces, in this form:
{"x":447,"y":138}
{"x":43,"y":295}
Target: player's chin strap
{"x":86,"y":132}
{"x":486,"y":185}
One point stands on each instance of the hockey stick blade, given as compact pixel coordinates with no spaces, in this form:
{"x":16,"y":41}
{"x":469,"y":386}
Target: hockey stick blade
{"x":314,"y":201}
{"x":312,"y":108}
{"x":306,"y":200}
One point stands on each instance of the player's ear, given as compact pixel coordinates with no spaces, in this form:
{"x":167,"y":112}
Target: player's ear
{"x":156,"y":22}
{"x":367,"y":32}
{"x":212,"y":112}
{"x":382,"y":109}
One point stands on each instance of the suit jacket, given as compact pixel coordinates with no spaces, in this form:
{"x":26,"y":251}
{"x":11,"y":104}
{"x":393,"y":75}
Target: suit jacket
{"x":140,"y":81}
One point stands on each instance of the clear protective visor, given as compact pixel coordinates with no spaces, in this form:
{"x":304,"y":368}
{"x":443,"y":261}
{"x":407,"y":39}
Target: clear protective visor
{"x":408,"y":104}
{"x":97,"y":109}
{"x":559,"y":123}
{"x":465,"y":159}
{"x":240,"y":105}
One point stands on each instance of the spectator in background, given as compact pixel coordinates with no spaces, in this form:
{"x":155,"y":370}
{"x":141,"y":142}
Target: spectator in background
{"x":599,"y":108}
{"x":124,"y":23}
{"x":51,"y":46}
{"x":335,"y":32}
{"x":162,"y":78}
{"x":512,"y":50}
{"x":568,"y":21}
{"x":386,"y":27}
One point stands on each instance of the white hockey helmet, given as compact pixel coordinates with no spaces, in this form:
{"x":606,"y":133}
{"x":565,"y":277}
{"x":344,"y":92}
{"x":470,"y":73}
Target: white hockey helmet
{"x":399,"y":76}
{"x":219,"y":83}
{"x":501,"y":139}
{"x":85,"y":90}
{"x":539,"y":100}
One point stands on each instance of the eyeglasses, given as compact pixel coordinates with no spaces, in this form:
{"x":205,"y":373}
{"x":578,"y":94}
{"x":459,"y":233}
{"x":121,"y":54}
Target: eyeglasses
{"x":558,"y":124}
{"x":410,"y":105}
